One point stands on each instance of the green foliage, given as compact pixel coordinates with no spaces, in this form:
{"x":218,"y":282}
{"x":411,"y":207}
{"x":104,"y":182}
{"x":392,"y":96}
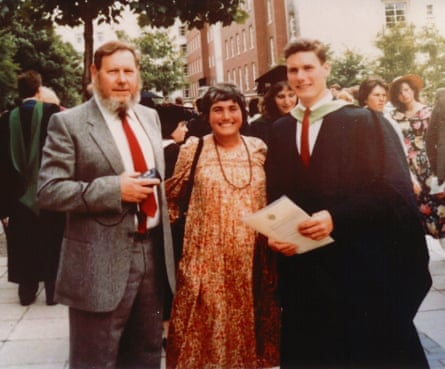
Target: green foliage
{"x":157,"y":13}
{"x":399,"y":49}
{"x":29,"y":42}
{"x":161,"y":66}
{"x":432,"y":53}
{"x":404,"y":50}
{"x":8,"y":69}
{"x":349,"y":69}
{"x":407,"y":50}
{"x":195,"y":13}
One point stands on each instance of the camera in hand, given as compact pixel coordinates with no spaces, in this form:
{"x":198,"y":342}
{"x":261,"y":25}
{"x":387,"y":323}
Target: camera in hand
{"x":152,"y":173}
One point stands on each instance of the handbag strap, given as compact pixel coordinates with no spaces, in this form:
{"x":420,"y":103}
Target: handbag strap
{"x":188,"y":192}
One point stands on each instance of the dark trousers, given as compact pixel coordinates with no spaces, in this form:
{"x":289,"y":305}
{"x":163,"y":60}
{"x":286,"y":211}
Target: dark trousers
{"x":129,"y":337}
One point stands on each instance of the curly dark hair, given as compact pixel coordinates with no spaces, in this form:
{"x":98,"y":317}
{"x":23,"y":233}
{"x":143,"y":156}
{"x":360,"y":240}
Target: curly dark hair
{"x":367,"y":86}
{"x":223,"y":92}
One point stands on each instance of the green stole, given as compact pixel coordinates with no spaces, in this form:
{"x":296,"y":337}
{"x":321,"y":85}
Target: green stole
{"x":320,"y":112}
{"x":26,"y":160}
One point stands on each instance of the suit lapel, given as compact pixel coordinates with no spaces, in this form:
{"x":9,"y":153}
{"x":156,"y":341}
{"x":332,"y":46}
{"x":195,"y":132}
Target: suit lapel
{"x":103,"y":138}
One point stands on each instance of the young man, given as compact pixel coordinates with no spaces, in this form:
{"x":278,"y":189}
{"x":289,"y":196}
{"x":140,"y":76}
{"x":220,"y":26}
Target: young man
{"x":117,"y":243}
{"x":349,"y":304}
{"x":34,"y":235}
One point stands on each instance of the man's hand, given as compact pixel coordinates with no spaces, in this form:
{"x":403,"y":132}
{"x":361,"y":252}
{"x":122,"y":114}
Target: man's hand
{"x":284,"y":248}
{"x":318,"y":226}
{"x":134,"y":189}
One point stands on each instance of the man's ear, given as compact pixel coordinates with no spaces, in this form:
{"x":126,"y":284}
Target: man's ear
{"x":327,"y":66}
{"x":38,"y":94}
{"x":93,"y":72}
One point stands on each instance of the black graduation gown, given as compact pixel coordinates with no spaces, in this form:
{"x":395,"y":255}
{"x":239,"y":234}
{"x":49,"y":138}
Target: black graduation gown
{"x":33,"y":241}
{"x":260,"y":128}
{"x":351,"y":304}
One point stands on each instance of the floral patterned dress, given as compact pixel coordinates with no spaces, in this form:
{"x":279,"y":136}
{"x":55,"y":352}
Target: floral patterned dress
{"x":218,"y":321}
{"x":414,"y":131}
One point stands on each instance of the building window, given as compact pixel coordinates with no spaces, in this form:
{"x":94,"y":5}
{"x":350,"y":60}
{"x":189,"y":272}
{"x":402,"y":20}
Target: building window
{"x":226,"y":43}
{"x":246,"y":77}
{"x":184,"y":49}
{"x":252,"y":37}
{"x":269,"y":11}
{"x":244,"y":37}
{"x":182,"y":30}
{"x":395,"y":13}
{"x":272,"y":51}
{"x":253,"y":72}
{"x":99,"y":37}
{"x":232,"y":47}
{"x":429,"y":11}
{"x":292,"y":27}
{"x":238,"y":44}
{"x":240,"y":79}
{"x":186,"y":70}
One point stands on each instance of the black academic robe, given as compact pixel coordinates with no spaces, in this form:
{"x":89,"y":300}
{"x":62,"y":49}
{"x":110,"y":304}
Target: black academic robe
{"x":351,"y":304}
{"x":33,"y":241}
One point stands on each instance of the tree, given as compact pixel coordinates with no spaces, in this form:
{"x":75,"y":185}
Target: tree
{"x":161,"y":66}
{"x":349,"y":69}
{"x":8,"y":69}
{"x":405,"y":51}
{"x":399,"y":49}
{"x":432,"y":54}
{"x":194,"y":13}
{"x":29,"y":42}
{"x":57,"y":61}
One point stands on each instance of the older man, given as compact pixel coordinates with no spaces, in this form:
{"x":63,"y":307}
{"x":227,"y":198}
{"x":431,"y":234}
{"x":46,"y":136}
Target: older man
{"x":117,"y":246}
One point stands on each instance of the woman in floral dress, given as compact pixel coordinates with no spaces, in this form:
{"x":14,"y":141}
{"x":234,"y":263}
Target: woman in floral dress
{"x":224,"y":315}
{"x":413,"y":118}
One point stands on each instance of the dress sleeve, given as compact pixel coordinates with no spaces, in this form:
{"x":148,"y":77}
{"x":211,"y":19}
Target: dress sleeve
{"x":175,"y":186}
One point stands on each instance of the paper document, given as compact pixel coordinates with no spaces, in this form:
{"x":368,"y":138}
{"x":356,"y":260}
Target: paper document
{"x":435,"y":188}
{"x":279,"y":221}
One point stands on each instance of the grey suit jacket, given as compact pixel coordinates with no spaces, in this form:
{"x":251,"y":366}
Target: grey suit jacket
{"x":81,"y":165}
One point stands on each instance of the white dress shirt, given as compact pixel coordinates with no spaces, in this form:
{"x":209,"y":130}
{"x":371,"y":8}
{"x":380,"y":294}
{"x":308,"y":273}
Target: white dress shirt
{"x":314,"y":127}
{"x":114,"y":124}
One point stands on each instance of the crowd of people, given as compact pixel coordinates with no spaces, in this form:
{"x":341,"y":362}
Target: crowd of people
{"x":367,"y":166}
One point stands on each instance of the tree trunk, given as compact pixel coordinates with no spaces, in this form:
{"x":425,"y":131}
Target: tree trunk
{"x":88,"y":55}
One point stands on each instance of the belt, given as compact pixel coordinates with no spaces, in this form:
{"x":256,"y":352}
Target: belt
{"x":137,"y":236}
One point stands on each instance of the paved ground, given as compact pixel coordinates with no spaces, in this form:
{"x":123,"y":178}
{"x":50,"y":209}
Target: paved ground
{"x":36,"y":336}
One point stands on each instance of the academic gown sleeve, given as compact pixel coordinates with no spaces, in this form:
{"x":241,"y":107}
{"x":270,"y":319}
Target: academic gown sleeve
{"x":360,"y":175}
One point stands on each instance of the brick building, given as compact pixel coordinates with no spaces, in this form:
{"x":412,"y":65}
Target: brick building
{"x":240,"y":53}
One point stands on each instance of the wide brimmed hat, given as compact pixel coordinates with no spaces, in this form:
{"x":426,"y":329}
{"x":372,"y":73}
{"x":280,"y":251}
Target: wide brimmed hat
{"x":413,"y":79}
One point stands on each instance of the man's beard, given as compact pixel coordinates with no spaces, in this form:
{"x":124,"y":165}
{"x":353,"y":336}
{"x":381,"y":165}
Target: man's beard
{"x":114,"y":105}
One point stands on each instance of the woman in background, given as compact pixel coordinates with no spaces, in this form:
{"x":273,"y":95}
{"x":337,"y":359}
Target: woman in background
{"x":174,"y":120}
{"x":279,"y":100}
{"x":413,"y":118}
{"x":373,"y":94}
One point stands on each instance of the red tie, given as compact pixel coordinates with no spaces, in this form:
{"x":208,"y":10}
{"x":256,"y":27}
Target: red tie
{"x":148,"y":206}
{"x":304,"y":143}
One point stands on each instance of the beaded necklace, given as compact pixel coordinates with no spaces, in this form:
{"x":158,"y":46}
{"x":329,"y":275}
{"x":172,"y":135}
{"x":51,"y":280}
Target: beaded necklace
{"x":222,"y":169}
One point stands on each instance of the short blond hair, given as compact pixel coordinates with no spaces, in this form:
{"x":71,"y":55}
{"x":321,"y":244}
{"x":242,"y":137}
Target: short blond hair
{"x":48,"y":95}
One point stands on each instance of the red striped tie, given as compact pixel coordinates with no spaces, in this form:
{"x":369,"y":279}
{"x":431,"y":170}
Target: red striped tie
{"x":304,"y":143}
